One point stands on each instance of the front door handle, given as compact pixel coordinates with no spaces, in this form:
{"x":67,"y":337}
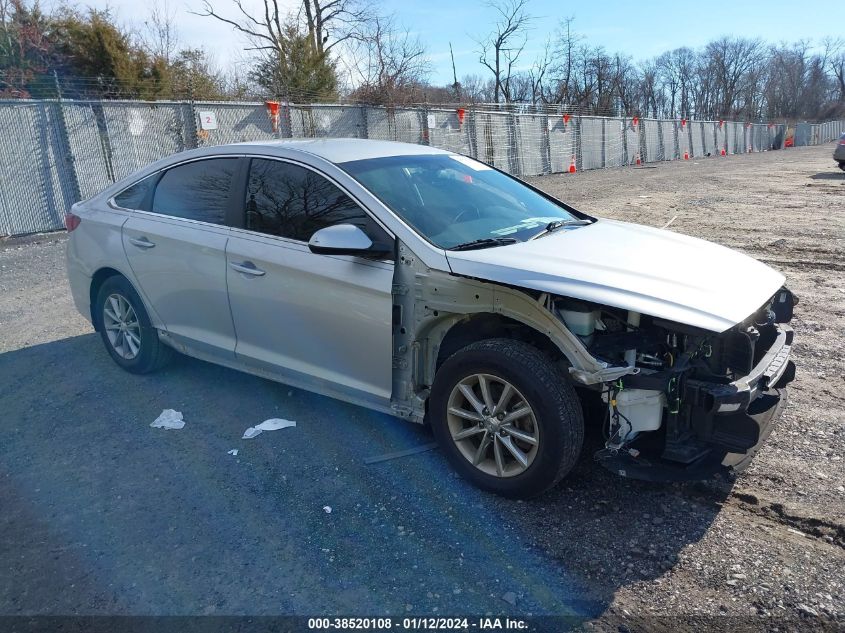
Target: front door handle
{"x":247,"y":268}
{"x":141,"y":242}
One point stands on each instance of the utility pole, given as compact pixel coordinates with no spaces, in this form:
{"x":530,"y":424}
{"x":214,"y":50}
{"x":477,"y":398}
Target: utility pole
{"x":455,"y":85}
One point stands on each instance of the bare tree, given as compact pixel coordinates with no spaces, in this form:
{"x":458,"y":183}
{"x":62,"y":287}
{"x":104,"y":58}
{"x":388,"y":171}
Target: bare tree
{"x":731,"y":62}
{"x":539,"y":72}
{"x":390,"y":65}
{"x":332,"y":22}
{"x":476,"y":89}
{"x":289,"y":62}
{"x":835,"y":58}
{"x":565,"y":50}
{"x":500,"y":50}
{"x":265,"y":31}
{"x":675,"y":74}
{"x":160,"y":36}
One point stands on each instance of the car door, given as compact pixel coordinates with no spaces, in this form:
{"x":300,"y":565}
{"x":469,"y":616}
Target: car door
{"x":321,"y":322}
{"x":176,"y":247}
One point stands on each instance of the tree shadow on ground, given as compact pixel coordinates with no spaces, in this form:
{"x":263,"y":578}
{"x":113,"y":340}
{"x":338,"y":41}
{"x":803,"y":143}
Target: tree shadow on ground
{"x":104,"y":515}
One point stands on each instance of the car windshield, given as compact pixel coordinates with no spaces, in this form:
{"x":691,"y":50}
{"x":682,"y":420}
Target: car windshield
{"x":456,"y":201}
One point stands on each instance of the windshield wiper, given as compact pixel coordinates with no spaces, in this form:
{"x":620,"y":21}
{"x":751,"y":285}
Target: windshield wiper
{"x":553,"y":226}
{"x":486,"y":242}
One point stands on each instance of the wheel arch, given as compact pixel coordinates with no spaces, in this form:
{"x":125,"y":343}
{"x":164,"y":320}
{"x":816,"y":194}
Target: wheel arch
{"x":435,"y":313}
{"x":489,"y":325}
{"x":97,"y":281}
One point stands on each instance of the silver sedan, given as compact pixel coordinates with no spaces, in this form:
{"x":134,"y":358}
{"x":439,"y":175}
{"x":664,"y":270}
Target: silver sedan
{"x":434,"y":287}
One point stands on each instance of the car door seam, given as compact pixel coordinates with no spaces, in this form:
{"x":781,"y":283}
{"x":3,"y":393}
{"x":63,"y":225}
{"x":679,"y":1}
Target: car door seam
{"x":228,"y":294}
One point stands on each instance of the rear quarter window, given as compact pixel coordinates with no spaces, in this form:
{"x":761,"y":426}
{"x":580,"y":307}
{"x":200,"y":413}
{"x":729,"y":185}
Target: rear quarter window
{"x":136,"y":196}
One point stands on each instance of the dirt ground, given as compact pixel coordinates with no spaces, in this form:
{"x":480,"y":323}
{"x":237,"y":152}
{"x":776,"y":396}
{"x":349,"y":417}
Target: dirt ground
{"x":101,"y":514}
{"x":776,"y":541}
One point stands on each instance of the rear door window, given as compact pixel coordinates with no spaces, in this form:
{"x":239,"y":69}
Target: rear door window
{"x":196,"y":191}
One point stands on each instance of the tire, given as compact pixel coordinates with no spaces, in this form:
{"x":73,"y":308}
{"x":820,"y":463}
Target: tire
{"x":136,"y":348}
{"x":555,"y":422}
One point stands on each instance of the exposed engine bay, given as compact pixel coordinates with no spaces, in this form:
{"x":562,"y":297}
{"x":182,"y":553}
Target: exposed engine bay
{"x":691,"y":395}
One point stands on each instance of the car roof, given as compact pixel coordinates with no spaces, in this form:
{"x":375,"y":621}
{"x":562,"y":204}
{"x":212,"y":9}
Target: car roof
{"x":334,"y":150}
{"x":341,"y":150}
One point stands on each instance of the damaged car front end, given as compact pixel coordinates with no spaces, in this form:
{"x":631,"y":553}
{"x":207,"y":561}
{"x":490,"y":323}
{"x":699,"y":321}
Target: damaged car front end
{"x":679,"y":402}
{"x":694,"y":402}
{"x":686,"y":342}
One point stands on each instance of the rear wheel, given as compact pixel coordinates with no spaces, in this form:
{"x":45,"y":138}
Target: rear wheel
{"x":506,"y":417}
{"x":842,"y":165}
{"x":126,"y":330}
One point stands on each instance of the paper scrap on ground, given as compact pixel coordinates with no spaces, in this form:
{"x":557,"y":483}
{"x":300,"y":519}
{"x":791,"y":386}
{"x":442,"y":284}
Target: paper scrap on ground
{"x":234,"y":451}
{"x":273,"y":424}
{"x":327,"y":509}
{"x":169,"y":419}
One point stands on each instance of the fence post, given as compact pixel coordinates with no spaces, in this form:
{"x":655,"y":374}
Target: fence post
{"x":425,"y":133}
{"x":513,"y":150}
{"x":43,"y":153}
{"x":68,"y":159}
{"x":472,"y":132}
{"x":363,"y":130}
{"x":192,"y":139}
{"x":546,"y":144}
{"x":285,"y":123}
{"x":642,"y":143}
{"x":716,"y":139}
{"x":624,"y":141}
{"x":661,"y":143}
{"x":603,"y":142}
{"x":579,"y":159}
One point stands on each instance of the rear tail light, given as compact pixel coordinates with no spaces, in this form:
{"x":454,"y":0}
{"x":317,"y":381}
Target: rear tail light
{"x":71,"y":221}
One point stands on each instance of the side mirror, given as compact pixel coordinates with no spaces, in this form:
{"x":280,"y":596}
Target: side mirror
{"x":341,"y":239}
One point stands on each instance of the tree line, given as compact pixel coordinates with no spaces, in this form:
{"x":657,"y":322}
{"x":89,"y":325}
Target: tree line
{"x":325,"y":50}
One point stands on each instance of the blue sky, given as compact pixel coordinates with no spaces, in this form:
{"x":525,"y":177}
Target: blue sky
{"x":640,"y":29}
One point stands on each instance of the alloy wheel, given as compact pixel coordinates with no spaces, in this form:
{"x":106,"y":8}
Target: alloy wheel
{"x":493,"y":425}
{"x":122,"y":326}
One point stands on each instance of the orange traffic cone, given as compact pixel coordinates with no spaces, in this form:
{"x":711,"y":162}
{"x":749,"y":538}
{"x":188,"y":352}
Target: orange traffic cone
{"x":572,"y":168}
{"x":638,"y":159}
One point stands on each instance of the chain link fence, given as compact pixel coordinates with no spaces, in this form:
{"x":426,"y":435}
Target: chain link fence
{"x":54,"y":153}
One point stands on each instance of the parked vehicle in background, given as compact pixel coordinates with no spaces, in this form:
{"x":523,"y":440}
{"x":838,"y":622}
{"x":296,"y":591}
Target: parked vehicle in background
{"x":839,"y":152}
{"x":423,"y":283}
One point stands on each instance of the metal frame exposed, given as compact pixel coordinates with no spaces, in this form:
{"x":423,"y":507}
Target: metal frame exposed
{"x":427,"y":303}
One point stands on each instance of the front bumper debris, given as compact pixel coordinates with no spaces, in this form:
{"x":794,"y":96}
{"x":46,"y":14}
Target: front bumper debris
{"x":756,"y":423}
{"x":728,"y":423}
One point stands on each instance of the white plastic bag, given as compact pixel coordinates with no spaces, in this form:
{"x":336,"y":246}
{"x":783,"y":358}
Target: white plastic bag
{"x":273,"y":424}
{"x":169,"y":419}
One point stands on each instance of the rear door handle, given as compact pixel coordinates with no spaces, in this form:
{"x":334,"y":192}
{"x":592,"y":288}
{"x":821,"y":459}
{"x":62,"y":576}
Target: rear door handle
{"x":141,"y":242}
{"x":247,"y":268}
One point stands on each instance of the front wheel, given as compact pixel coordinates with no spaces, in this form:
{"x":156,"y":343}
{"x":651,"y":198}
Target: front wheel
{"x":126,"y":330}
{"x":506,"y":417}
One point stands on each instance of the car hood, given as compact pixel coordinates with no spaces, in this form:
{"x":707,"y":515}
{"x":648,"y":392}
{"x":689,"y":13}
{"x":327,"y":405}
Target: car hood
{"x":634,"y":267}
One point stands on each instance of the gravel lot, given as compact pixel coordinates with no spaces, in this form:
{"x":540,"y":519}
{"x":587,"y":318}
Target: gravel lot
{"x":102,"y":514}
